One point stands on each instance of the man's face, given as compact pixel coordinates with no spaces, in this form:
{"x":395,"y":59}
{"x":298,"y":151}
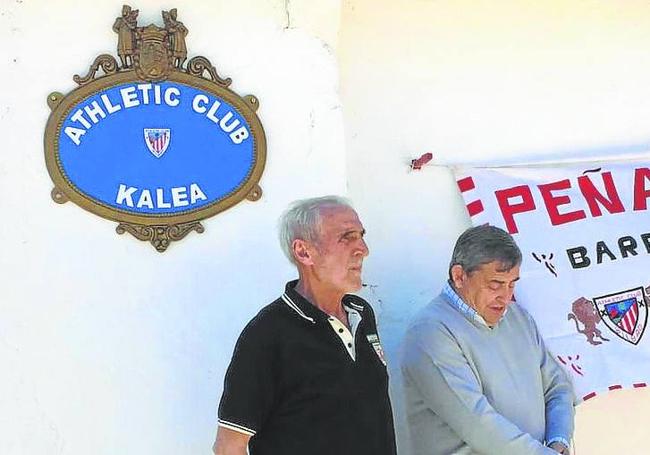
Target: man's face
{"x":340,"y":249}
{"x":487,"y":290}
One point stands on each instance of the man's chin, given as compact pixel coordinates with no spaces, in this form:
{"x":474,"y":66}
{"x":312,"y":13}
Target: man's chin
{"x":495,"y":316}
{"x":355,"y":285}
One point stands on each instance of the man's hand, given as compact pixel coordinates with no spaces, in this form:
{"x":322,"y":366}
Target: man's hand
{"x":560,"y":448}
{"x":229,"y":442}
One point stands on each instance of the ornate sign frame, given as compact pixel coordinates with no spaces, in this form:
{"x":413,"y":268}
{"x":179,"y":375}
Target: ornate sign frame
{"x":140,"y":50}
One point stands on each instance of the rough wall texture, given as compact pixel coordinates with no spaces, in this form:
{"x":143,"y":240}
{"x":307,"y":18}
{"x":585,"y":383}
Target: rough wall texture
{"x":107,"y":346}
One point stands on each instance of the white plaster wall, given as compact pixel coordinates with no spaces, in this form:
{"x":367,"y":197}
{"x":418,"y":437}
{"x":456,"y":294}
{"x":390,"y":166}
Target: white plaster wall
{"x":106,"y":346}
{"x":482,"y":81}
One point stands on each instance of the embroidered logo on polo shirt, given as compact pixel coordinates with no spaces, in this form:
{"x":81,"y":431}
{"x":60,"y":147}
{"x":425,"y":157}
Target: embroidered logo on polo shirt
{"x":373,"y":339}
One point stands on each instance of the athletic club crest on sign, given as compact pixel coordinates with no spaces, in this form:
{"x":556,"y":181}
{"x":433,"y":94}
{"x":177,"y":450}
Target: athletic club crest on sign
{"x":94,"y":148}
{"x":625,"y":313}
{"x":157,"y":140}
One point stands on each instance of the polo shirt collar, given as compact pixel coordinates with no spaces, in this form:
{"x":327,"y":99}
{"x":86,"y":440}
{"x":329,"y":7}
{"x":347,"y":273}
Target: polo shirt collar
{"x":306,"y":310}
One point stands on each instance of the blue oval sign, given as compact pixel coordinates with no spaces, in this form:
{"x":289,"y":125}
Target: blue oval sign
{"x":157,"y":143}
{"x":150,"y":152}
{"x":155,"y":148}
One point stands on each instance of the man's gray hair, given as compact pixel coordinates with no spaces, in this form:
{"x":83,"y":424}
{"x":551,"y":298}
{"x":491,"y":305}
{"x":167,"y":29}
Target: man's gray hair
{"x":481,"y":245}
{"x":302,"y":220}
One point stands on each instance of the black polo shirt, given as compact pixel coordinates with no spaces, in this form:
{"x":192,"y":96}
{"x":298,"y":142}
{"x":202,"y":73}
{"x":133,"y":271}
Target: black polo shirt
{"x":294,"y":387}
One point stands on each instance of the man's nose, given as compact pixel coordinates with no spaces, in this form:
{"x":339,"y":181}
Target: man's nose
{"x":363,"y":248}
{"x":506,"y":294}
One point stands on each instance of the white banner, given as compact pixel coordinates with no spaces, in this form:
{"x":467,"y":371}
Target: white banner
{"x":584,"y":232}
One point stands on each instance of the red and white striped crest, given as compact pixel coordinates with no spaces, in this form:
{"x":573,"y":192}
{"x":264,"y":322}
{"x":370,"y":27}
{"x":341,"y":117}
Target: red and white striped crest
{"x":628,"y":321}
{"x":624,"y":313}
{"x":157,"y":140}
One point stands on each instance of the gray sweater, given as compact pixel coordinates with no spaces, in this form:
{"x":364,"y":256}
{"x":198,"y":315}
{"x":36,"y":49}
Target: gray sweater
{"x":471,"y":389}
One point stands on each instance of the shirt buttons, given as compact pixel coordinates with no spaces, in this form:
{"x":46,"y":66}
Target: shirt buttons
{"x":340,"y":330}
{"x":349,"y":345}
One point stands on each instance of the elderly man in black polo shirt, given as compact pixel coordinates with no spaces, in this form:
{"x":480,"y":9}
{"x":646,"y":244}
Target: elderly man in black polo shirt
{"x":308,"y":375}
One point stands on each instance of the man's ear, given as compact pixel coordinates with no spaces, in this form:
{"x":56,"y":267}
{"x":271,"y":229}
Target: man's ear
{"x":302,"y":252}
{"x":458,"y":276}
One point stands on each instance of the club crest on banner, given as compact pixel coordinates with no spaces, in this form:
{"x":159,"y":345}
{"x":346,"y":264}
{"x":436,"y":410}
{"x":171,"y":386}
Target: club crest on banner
{"x":157,"y":140}
{"x":624,"y":313}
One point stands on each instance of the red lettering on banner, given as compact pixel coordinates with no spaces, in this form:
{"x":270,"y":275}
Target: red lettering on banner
{"x":509,"y":210}
{"x":602,"y":199}
{"x":474,"y":208}
{"x":641,"y":194}
{"x":553,"y":202}
{"x":466,"y":184}
{"x":612,"y":203}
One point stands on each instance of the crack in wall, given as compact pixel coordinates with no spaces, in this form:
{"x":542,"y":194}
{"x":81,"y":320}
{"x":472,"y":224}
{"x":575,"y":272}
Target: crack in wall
{"x":287,"y":12}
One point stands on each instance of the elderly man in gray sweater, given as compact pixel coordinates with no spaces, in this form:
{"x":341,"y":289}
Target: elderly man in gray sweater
{"x":478,"y":378}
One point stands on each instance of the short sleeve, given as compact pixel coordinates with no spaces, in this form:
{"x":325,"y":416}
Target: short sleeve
{"x":249,"y":385}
